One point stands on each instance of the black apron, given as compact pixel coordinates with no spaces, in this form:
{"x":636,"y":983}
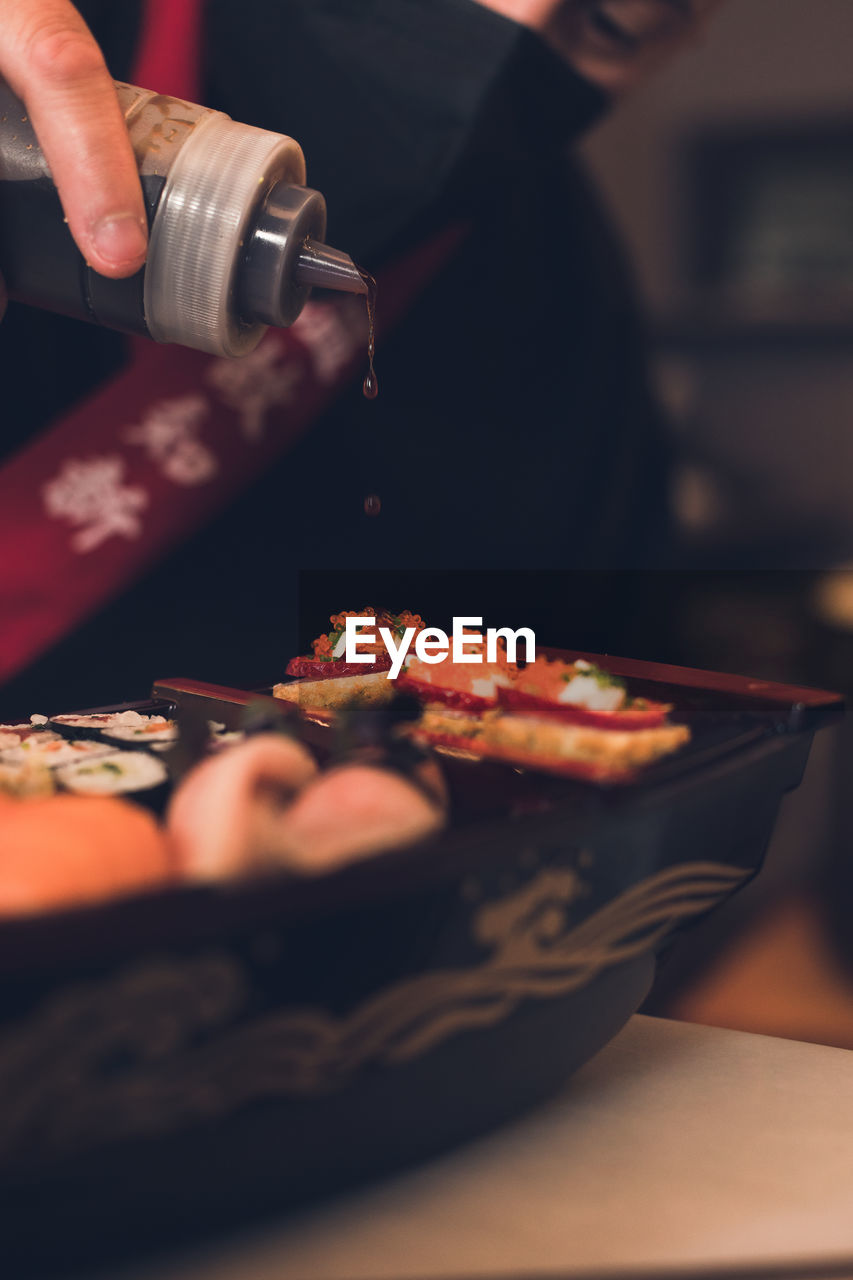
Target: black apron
{"x":514,"y":428}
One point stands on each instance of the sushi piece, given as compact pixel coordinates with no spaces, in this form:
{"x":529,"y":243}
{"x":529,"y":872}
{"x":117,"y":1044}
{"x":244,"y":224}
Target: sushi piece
{"x":98,"y":720}
{"x":331,"y":695}
{"x":156,"y":729}
{"x":224,"y":815}
{"x":328,"y":660}
{"x":262,"y":805}
{"x":578,"y":750}
{"x":12,"y":735}
{"x":578,"y":718}
{"x":570,"y":718}
{"x":26,"y":778}
{"x":460,"y":686}
{"x":325,"y":682}
{"x":581,"y":693}
{"x":72,"y":851}
{"x":52,"y":749}
{"x":457,"y":697}
{"x":358,"y":810}
{"x":126,"y":724}
{"x":119,"y":773}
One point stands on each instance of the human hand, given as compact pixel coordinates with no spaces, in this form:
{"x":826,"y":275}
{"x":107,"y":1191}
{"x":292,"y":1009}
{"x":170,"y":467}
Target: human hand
{"x":51,"y":61}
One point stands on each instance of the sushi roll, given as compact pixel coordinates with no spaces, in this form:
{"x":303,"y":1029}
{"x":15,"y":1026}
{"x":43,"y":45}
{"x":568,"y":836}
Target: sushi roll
{"x":26,"y":779}
{"x":116,"y":774}
{"x":92,"y":724}
{"x":156,"y":729}
{"x":73,"y":851}
{"x":224,"y":816}
{"x":52,"y":749}
{"x":357,"y":810}
{"x":12,"y":735}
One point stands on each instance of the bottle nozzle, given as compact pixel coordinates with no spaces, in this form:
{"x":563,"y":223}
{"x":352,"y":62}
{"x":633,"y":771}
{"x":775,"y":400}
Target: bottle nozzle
{"x":285,"y":256}
{"x":326,"y":268}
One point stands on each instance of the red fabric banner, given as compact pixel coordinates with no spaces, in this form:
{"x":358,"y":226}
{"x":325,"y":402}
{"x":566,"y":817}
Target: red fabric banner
{"x":145,"y":462}
{"x":168,"y":58}
{"x":108,"y":489}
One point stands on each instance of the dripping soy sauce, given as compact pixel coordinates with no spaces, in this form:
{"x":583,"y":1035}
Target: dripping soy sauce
{"x":370,"y":386}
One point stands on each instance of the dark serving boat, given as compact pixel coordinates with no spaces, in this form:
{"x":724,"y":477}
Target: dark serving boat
{"x":206,"y":1054}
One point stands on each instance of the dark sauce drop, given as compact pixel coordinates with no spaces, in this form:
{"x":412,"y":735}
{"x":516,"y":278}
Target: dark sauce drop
{"x":370,"y":386}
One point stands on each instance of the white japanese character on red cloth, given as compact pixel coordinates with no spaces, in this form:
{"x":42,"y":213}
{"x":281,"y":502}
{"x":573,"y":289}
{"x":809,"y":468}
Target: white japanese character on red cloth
{"x":92,"y":494}
{"x":333,"y":336}
{"x":256,"y":383}
{"x":190,"y":463}
{"x":168,"y":435}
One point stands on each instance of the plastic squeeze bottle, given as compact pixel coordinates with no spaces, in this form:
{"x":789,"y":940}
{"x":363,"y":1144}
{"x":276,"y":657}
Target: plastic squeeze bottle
{"x":236,"y":238}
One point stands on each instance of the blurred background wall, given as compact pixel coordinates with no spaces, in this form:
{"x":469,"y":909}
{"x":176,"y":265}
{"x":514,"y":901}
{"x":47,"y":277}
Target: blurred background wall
{"x":732,"y":179}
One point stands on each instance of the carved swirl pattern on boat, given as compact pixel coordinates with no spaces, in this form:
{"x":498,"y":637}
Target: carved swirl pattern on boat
{"x":167,"y":1044}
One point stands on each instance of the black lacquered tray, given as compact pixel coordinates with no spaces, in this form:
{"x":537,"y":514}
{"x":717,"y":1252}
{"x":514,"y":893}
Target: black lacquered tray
{"x":204,"y":1055}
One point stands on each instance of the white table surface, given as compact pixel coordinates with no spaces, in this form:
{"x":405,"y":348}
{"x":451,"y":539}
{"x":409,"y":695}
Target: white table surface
{"x":677,"y":1146}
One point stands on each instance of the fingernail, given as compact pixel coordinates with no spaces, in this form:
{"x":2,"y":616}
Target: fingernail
{"x":119,"y":239}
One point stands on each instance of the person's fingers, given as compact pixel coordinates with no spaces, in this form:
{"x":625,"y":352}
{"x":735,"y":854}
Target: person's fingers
{"x":51,"y":61}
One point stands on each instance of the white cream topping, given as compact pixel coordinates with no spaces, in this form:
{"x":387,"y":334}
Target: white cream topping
{"x":585,"y":691}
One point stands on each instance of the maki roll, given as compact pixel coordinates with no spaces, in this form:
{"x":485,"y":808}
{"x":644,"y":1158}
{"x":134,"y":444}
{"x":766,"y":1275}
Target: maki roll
{"x":51,"y":749}
{"x":120,"y":773}
{"x":126,"y":724}
{"x":155,"y":729}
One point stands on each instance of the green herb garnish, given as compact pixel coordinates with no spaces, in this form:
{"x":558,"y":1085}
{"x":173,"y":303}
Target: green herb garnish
{"x":604,"y":679}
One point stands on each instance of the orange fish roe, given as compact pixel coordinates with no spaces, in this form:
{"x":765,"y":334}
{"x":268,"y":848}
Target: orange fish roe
{"x":546,"y":677}
{"x":324,"y":645}
{"x":338,"y":620}
{"x":407,"y":619}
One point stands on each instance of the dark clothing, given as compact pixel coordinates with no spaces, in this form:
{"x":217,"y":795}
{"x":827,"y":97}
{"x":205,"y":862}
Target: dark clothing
{"x":514,"y":428}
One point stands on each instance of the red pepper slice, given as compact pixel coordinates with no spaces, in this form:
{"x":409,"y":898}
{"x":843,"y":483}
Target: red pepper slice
{"x":311,"y":668}
{"x":651,"y":715}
